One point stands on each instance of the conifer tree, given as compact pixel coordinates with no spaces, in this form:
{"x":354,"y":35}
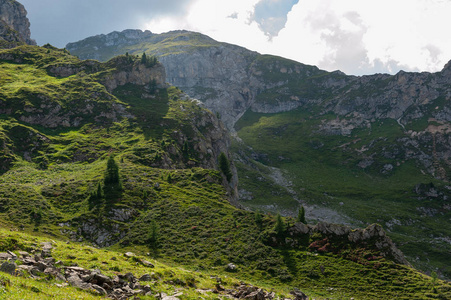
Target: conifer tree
{"x":224,"y":166}
{"x":99,"y":191}
{"x":153,"y":234}
{"x":144,"y":58}
{"x":112,"y":172}
{"x":280,"y":226}
{"x":301,"y":215}
{"x":259,"y":219}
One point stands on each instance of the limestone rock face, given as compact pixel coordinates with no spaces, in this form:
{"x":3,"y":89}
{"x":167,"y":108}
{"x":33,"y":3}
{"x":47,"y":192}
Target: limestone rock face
{"x":138,"y":74}
{"x":231,"y":80}
{"x":14,"y":25}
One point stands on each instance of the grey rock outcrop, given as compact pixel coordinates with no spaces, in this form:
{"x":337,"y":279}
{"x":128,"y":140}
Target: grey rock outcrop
{"x":373,"y":236}
{"x":136,"y":73}
{"x":14,"y":25}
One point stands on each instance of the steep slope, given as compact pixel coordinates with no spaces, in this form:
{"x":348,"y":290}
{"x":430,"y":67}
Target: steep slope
{"x":14,"y":25}
{"x":107,"y":153}
{"x":353,"y":150}
{"x":57,"y":110}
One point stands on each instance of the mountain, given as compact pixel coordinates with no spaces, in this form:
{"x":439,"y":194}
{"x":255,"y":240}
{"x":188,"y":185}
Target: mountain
{"x":14,"y":25}
{"x":108,"y":154}
{"x":352,"y":150}
{"x":116,"y":184}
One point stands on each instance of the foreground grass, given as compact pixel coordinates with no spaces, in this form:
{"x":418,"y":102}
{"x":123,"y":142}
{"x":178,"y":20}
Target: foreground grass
{"x":171,"y":278}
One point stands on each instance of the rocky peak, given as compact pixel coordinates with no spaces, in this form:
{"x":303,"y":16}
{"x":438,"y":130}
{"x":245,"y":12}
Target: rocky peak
{"x":14,"y":25}
{"x":446,"y":71}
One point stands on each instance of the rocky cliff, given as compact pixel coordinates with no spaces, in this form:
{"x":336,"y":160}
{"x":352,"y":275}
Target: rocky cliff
{"x":231,"y":80}
{"x":14,"y":25}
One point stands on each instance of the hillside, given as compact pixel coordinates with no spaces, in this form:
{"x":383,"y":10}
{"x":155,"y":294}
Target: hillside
{"x":352,"y":150}
{"x":109,"y":155}
{"x":96,"y":153}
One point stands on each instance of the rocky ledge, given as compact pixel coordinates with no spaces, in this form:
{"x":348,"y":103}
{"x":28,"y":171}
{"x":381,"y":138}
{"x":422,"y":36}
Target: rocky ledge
{"x":41,"y":265}
{"x":372,"y":237}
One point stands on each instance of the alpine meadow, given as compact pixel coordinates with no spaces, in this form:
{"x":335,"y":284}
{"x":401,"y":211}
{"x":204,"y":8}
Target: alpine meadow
{"x":169,"y":166}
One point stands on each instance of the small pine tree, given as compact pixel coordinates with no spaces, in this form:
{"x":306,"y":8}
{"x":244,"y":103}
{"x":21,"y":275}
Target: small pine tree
{"x":434,"y":278}
{"x":169,"y":178}
{"x":112,"y":172}
{"x":301,"y":215}
{"x":224,"y":166}
{"x":259,"y":219}
{"x":99,"y":191}
{"x":144,"y":58}
{"x":280,"y":226}
{"x":153,"y":234}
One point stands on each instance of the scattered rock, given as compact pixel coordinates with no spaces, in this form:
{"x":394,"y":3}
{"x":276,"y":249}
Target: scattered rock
{"x":298,"y":295}
{"x":4,"y":256}
{"x":99,"y":289}
{"x":231,"y":267}
{"x":129,"y":254}
{"x":145,"y":277}
{"x":13,"y":255}
{"x":9,"y":267}
{"x":147,"y":263}
{"x":122,"y":286}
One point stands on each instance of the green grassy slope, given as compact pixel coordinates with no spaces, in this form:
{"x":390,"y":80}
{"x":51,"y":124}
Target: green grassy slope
{"x":324,"y":170}
{"x":162,"y":44}
{"x":167,"y":202}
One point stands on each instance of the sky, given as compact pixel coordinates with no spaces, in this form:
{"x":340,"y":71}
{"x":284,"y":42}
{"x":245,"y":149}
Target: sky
{"x":357,"y":37}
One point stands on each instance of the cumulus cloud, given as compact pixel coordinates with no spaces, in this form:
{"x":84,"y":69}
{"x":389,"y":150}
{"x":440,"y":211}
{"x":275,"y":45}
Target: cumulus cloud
{"x":362,"y":37}
{"x":354,"y":36}
{"x":228,"y":21}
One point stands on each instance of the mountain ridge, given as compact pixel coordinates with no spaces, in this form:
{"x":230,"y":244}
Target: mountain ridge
{"x":110,"y":155}
{"x":303,"y":136}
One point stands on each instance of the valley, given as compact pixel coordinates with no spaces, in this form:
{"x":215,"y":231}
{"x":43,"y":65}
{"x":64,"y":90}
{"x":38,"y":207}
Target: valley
{"x":357,"y":150}
{"x":171,"y":166}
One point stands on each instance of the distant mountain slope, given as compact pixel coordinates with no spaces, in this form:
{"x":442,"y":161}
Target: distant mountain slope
{"x":231,"y":79}
{"x":351,"y":149}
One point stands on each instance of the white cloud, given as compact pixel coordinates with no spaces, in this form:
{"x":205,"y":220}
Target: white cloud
{"x":357,"y":37}
{"x":378,"y":36}
{"x":214,"y":18}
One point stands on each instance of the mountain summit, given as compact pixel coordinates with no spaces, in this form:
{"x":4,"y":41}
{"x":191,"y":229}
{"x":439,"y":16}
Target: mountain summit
{"x":14,"y":25}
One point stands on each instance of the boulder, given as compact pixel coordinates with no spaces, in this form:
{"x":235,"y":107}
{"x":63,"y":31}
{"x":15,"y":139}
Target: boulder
{"x":9,"y":267}
{"x":76,"y":281}
{"x":231,"y":267}
{"x":4,"y":256}
{"x":145,"y":277}
{"x":99,"y":289}
{"x":298,"y":295}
